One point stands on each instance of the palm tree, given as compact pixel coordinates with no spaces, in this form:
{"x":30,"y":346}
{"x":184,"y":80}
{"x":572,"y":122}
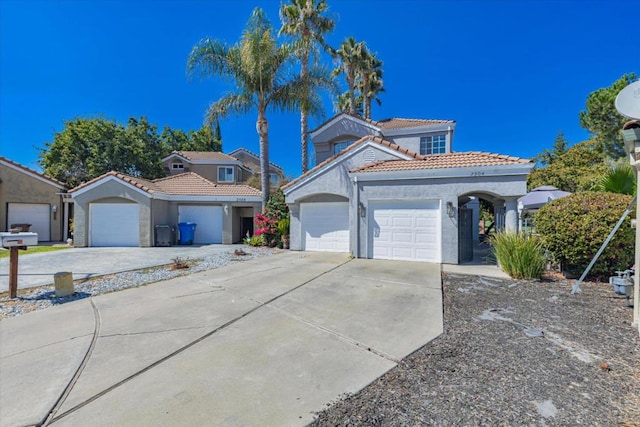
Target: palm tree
{"x":349,"y":56}
{"x":370,"y":79}
{"x":619,"y":179}
{"x":303,"y":20}
{"x":258,"y":66}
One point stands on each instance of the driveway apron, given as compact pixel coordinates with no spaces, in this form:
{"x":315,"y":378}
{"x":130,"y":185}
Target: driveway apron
{"x":262,"y":342}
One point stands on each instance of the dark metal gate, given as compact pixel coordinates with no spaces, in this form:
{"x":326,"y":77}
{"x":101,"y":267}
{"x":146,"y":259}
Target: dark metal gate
{"x":465,"y":235}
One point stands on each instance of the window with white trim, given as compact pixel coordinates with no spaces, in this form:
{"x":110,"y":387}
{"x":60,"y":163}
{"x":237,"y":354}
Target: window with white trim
{"x":339,"y":146}
{"x":225,"y":174}
{"x":177,"y":166}
{"x":436,"y":144}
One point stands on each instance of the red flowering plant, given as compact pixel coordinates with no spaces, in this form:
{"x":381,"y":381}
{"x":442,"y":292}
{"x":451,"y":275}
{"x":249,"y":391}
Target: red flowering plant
{"x":266,"y":226}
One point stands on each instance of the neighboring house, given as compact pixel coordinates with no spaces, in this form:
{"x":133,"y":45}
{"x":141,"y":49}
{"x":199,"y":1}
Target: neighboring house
{"x":120,"y":210}
{"x":217,"y":167}
{"x":394,"y":189}
{"x":251,"y":161}
{"x":29,"y":197}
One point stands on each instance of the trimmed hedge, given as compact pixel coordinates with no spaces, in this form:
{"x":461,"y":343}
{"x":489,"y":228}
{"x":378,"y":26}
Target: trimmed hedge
{"x":573,"y":229}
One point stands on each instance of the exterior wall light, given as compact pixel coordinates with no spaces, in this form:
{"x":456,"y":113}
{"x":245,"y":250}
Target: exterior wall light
{"x":362,"y":211}
{"x":450,"y":211}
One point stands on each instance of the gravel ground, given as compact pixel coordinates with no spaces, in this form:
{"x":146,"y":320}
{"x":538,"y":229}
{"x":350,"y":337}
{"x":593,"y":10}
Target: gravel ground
{"x":33,"y":299}
{"x":484,"y":370}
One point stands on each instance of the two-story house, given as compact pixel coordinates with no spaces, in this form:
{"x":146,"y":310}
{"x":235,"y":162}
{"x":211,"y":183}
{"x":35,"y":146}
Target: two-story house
{"x":395,"y":189}
{"x":206,"y":188}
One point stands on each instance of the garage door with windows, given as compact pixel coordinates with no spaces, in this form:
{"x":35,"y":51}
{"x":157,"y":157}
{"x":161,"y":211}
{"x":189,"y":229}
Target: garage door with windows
{"x":114,"y":224}
{"x":208,"y":221}
{"x":325,"y":226}
{"x":36,"y":214}
{"x":408,"y":231}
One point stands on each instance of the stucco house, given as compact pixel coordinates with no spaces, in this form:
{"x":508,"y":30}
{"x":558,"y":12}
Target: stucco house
{"x":121,"y":210}
{"x":251,"y":161}
{"x":394,"y":189}
{"x":203,"y":187}
{"x":29,"y":197}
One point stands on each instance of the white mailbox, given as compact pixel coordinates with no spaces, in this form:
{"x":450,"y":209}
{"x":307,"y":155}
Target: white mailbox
{"x":10,"y":240}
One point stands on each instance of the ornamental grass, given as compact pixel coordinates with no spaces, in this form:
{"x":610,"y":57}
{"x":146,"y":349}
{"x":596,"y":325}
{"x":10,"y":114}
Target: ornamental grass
{"x":519,"y":255}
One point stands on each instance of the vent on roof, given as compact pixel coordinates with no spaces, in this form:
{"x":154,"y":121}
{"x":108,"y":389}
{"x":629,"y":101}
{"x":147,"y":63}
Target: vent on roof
{"x":369,"y":156}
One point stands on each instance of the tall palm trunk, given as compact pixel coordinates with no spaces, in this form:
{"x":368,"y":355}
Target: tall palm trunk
{"x":351,"y":82}
{"x":262,"y":127}
{"x":365,"y":95}
{"x":304,"y":116}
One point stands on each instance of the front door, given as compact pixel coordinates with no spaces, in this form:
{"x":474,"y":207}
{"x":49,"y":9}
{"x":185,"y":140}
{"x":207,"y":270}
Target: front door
{"x":465,"y":235}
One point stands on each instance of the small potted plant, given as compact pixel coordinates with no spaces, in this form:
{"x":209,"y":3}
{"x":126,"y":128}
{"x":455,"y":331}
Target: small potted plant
{"x":283,"y":229}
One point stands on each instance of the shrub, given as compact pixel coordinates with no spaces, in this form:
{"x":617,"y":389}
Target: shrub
{"x":521,"y":256}
{"x":574,"y":227}
{"x":255,"y":241}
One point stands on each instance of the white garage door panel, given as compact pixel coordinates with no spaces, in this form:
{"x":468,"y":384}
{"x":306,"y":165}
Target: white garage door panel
{"x":407,"y":231}
{"x":114,"y":224}
{"x":36,"y":214}
{"x":325,"y":226}
{"x":208,"y":221}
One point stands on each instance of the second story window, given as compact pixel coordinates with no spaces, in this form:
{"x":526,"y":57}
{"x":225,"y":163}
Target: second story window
{"x":433,"y":144}
{"x":177,"y":166}
{"x":225,"y":174}
{"x":339,"y":146}
{"x":273,"y":179}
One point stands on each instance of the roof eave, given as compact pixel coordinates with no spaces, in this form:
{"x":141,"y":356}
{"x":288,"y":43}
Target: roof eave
{"x":459,"y":172}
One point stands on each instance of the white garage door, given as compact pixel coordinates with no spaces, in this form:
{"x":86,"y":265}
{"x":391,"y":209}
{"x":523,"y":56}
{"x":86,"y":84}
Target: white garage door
{"x":325,"y":226}
{"x":208,"y":221}
{"x":36,"y":214}
{"x":407,"y":231}
{"x":114,"y":224}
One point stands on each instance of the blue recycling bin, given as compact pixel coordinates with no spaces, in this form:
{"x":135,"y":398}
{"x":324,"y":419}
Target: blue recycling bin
{"x":187,"y":231}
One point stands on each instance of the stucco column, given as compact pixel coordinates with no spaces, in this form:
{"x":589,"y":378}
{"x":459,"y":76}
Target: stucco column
{"x":511,"y":215}
{"x":474,"y":205}
{"x":227,"y":224}
{"x":295,"y":228}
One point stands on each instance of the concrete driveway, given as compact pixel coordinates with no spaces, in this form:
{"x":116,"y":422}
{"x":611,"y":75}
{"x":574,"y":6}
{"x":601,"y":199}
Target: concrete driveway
{"x":38,"y":269}
{"x":263,"y":342}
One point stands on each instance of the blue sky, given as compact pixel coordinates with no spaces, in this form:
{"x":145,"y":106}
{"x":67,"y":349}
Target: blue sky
{"x":511,"y":73}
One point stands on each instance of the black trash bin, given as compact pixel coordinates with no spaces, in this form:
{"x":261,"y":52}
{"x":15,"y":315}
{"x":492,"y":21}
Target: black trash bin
{"x":164,"y":235}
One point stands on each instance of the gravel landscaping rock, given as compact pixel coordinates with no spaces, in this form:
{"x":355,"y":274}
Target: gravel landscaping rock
{"x":33,"y":299}
{"x":513,"y":353}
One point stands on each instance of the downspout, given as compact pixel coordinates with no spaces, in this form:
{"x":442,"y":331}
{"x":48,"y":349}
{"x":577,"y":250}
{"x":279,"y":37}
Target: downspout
{"x":357,"y":210}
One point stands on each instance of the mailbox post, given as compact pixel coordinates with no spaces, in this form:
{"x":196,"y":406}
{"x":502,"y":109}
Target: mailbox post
{"x":15,"y":241}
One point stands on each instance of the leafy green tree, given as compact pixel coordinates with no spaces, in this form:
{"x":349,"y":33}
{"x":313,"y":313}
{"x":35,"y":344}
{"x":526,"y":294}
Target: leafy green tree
{"x":207,"y":138}
{"x":620,"y":179}
{"x":603,"y":120}
{"x":578,"y":169}
{"x":88,"y":148}
{"x":259,"y":67}
{"x":560,"y":147}
{"x":305,"y":22}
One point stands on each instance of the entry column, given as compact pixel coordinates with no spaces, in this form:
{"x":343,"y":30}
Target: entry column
{"x":511,"y":215}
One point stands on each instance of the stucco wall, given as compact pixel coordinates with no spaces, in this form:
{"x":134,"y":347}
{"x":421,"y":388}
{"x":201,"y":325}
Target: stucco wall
{"x":18,"y":187}
{"x":443,"y":189}
{"x":339,"y":131}
{"x":110,"y":192}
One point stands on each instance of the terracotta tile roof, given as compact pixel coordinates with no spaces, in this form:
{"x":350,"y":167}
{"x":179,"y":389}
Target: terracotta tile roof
{"x":26,"y":169}
{"x":203,"y":155}
{"x":391,"y":123}
{"x":192,"y":184}
{"x":444,"y":161}
{"x":351,"y":147}
{"x":273,"y":165}
{"x":397,"y":123}
{"x":184,"y":184}
{"x":141,"y":183}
